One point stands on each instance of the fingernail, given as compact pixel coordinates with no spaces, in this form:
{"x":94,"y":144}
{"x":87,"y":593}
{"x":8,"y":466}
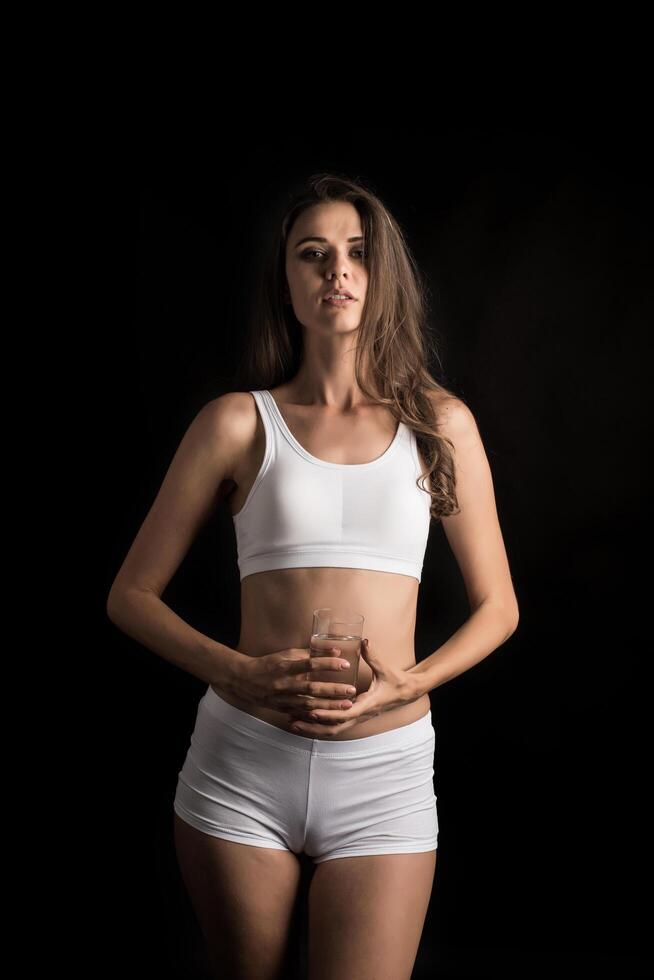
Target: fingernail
{"x":351,"y":690}
{"x":344,"y":665}
{"x":336,"y":650}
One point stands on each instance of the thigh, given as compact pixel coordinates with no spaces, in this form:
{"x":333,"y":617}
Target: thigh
{"x":366,"y":915}
{"x":244,"y":898}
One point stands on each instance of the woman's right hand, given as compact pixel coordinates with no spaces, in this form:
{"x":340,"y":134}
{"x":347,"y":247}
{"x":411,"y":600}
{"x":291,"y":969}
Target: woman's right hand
{"x":282,"y":681}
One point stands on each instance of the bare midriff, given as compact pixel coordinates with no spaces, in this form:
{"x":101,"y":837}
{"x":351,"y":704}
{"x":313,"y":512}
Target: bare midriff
{"x":276,"y":614}
{"x":277,"y":605}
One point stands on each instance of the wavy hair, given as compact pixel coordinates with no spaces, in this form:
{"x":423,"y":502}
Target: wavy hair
{"x":394,"y":342}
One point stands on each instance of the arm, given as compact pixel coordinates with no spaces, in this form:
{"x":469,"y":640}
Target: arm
{"x":190,"y":491}
{"x":476,"y":540}
{"x":146,"y":618}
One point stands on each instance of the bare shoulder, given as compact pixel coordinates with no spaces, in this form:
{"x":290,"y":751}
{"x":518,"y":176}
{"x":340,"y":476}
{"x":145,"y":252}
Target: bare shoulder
{"x":232,"y":414}
{"x":233,"y":409}
{"x":228,"y":424}
{"x":455,"y":419}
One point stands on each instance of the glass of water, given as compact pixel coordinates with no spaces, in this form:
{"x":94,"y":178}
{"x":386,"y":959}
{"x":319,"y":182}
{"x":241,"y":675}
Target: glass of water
{"x":337,"y":627}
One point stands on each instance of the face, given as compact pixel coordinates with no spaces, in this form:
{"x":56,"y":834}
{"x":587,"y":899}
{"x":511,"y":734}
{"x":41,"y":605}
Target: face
{"x":325,"y":251}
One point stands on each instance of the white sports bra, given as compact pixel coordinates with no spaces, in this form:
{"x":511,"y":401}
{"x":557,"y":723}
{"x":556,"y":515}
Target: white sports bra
{"x":305,"y":512}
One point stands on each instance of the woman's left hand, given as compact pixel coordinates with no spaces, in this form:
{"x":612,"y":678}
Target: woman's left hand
{"x":390,"y":687}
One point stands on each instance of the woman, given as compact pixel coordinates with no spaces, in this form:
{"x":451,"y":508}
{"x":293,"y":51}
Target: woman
{"x":332,"y":461}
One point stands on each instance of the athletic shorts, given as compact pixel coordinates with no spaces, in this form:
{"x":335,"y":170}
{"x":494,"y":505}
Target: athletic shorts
{"x":248,"y":781}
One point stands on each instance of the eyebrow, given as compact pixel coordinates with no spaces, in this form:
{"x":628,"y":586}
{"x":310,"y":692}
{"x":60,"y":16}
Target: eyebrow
{"x":315,"y":238}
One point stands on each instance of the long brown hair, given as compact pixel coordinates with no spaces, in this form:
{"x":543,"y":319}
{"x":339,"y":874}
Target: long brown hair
{"x":394,"y":341}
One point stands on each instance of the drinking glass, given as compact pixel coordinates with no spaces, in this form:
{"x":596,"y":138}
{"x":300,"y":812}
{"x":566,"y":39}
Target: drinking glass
{"x":337,"y":627}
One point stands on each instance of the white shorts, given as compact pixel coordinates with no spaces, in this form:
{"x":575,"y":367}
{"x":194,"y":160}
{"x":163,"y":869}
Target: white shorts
{"x":248,"y":781}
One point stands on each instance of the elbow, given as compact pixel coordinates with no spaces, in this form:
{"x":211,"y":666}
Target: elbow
{"x":119,"y":595}
{"x":111,"y":605}
{"x":115,"y":601}
{"x":507,"y":610}
{"x":509,"y":614}
{"x":509,"y":606}
{"x":514,"y":619}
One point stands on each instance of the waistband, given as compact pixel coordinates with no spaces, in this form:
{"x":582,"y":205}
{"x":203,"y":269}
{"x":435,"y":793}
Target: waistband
{"x":414,"y":733}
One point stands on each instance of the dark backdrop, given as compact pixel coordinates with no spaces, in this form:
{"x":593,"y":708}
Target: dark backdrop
{"x":536,"y":244}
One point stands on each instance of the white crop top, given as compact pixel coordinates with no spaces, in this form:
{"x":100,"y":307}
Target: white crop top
{"x":305,"y":512}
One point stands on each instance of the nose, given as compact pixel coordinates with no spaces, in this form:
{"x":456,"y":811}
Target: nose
{"x":338,"y":268}
{"x":334,"y":272}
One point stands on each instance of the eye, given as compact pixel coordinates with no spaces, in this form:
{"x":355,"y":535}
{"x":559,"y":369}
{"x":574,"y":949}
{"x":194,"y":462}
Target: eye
{"x":316,"y":251}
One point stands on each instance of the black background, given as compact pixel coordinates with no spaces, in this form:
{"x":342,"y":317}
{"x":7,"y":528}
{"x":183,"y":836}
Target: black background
{"x":535,"y":239}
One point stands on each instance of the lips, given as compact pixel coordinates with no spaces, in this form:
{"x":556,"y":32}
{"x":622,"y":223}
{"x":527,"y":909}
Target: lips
{"x":339,"y":292}
{"x":338,"y":303}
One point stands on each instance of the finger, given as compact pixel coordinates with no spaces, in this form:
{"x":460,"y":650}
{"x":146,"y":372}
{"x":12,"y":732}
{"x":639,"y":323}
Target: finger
{"x":317,"y":730}
{"x":325,"y":695}
{"x":337,"y":713}
{"x":309,"y":663}
{"x":302,"y":706}
{"x":326,"y":718}
{"x":308,"y":702}
{"x":320,"y":689}
{"x":299,"y":666}
{"x":361,"y":711}
{"x":329,"y":663}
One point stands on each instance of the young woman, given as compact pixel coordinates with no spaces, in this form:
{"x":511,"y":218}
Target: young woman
{"x":333,"y":463}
